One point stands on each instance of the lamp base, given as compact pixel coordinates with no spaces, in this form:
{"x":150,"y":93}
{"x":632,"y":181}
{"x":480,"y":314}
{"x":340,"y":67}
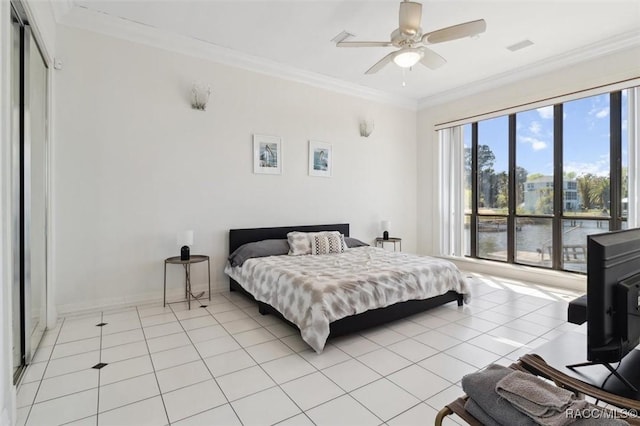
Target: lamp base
{"x":184,"y":253}
{"x":385,"y":235}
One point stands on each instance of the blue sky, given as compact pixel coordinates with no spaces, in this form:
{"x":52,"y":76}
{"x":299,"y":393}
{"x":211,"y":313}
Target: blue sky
{"x":586,"y":137}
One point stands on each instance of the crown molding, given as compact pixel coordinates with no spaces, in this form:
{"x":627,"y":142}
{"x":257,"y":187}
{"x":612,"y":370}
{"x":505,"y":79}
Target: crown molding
{"x":601,"y":48}
{"x":68,"y":13}
{"x":86,"y":19}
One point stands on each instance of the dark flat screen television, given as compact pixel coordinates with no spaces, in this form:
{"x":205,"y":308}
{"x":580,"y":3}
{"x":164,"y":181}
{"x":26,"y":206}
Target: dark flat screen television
{"x":613,"y":298}
{"x":613,"y":284}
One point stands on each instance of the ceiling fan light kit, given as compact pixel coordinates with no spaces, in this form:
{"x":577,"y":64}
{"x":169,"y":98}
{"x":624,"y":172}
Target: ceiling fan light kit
{"x":408,"y":58}
{"x":411,"y":42}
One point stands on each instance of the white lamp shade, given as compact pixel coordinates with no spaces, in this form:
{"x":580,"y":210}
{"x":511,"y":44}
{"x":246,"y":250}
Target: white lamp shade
{"x":385,"y":225}
{"x":185,"y":238}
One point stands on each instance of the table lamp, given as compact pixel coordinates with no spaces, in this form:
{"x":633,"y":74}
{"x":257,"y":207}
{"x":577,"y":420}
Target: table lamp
{"x":185,"y":239}
{"x":385,"y":224}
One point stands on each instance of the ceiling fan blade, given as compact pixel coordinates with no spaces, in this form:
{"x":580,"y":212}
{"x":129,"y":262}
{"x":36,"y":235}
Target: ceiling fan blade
{"x":381,"y":63}
{"x":364,"y":44}
{"x":455,"y":32}
{"x":410,"y":17}
{"x":431,"y":59}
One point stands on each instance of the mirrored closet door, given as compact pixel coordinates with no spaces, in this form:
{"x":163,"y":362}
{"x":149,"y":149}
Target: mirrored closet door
{"x":29,"y":183}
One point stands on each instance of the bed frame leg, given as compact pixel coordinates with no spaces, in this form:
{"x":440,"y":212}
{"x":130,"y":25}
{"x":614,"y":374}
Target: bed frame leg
{"x":460,"y":299}
{"x":262,"y":308}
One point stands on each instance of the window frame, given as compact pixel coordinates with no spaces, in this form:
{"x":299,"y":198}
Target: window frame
{"x":615,"y":220}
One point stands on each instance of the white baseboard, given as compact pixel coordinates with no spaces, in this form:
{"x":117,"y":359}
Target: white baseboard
{"x":125,"y":301}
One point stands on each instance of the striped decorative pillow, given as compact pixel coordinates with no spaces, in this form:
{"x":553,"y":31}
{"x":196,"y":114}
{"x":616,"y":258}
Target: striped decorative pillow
{"x":301,"y":243}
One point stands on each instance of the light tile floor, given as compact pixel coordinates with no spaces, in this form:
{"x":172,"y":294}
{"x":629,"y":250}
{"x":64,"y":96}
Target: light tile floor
{"x":226,"y":364}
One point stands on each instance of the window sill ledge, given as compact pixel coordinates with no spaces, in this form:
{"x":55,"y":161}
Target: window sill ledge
{"x":565,"y":280}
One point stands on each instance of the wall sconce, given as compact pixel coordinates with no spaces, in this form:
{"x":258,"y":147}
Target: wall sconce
{"x":200,"y":96}
{"x":366,"y":128}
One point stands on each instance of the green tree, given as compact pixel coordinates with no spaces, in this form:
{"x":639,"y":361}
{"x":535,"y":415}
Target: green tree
{"x":521,"y":178}
{"x":501,"y":190}
{"x":600,"y":192}
{"x":535,"y":176}
{"x":486,"y":159}
{"x":584,"y":184}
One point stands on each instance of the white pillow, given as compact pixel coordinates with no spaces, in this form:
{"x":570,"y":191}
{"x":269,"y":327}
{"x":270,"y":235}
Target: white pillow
{"x":298,"y":243}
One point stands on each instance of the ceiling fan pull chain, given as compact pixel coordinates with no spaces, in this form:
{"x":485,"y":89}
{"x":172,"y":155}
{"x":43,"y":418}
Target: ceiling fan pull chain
{"x":404,"y":77}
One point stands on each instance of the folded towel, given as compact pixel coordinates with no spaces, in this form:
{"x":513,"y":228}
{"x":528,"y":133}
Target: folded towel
{"x":544,"y":402}
{"x":476,"y":411}
{"x":481,"y":386}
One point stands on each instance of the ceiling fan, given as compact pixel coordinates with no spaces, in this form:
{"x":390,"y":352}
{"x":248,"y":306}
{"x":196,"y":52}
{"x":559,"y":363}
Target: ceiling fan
{"x":412,"y":42}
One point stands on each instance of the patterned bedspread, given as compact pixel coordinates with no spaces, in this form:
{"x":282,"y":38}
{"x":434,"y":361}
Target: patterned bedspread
{"x":312,"y":291}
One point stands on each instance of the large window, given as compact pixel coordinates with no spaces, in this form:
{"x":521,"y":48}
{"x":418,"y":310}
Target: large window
{"x":466,"y":140}
{"x":586,"y":154}
{"x":492,"y":190}
{"x":539,"y":181}
{"x":534,"y":186}
{"x":624,"y":137}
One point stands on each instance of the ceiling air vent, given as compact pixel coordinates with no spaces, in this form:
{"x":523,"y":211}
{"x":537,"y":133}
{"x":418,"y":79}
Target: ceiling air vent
{"x":342,"y":37}
{"x":520,"y":45}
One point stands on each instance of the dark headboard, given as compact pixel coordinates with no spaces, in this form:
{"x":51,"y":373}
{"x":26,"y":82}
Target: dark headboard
{"x":238,"y":237}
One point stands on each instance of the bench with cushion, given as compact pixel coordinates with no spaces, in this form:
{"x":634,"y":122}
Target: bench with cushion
{"x":534,"y":364}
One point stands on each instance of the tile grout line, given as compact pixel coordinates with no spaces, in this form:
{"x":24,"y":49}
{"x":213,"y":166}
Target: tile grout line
{"x":387,"y":347}
{"x":99,"y":370}
{"x":360,"y":387}
{"x":408,"y":409}
{"x":26,"y":420}
{"x":349,"y":392}
{"x":207,"y":367}
{"x":406,"y":338}
{"x":328,"y":378}
{"x":153,"y":367}
{"x":268,"y":375}
{"x":412,"y":363}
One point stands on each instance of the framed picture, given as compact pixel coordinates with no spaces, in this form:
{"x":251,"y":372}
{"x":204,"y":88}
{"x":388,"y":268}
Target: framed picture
{"x":267,"y":154}
{"x":320,"y":159}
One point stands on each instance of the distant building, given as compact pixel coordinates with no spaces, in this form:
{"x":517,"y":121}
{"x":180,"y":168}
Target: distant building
{"x":539,"y":187}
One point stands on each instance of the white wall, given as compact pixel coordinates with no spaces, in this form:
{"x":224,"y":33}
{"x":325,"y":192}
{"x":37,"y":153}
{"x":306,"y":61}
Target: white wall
{"x":593,"y":73}
{"x":134,"y":164}
{"x":44,"y":25}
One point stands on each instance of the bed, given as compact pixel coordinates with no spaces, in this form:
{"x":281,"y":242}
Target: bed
{"x":331,"y":295}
